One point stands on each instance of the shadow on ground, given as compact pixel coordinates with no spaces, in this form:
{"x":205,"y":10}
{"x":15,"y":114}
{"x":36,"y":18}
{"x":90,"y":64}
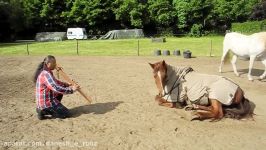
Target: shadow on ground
{"x":98,"y":108}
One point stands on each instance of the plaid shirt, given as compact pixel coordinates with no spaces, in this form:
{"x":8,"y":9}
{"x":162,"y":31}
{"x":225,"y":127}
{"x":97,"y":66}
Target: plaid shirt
{"x":47,"y":88}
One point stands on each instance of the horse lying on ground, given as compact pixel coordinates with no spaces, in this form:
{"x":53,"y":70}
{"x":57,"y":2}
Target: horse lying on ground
{"x":211,"y":96}
{"x":253,"y":47}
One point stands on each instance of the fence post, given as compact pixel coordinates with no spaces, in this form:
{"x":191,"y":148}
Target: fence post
{"x":211,"y":49}
{"x":28,"y":49}
{"x":77,"y":46}
{"x":138,"y":47}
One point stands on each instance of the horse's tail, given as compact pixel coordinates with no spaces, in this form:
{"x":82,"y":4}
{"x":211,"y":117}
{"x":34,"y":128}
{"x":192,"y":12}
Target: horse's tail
{"x":239,"y":111}
{"x":227,"y":57}
{"x":226,"y":48}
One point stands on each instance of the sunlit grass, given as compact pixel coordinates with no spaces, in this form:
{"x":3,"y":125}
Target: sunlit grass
{"x":127,"y":47}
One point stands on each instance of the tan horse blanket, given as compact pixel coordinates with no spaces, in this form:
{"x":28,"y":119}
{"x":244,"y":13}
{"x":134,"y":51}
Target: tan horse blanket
{"x":184,"y":84}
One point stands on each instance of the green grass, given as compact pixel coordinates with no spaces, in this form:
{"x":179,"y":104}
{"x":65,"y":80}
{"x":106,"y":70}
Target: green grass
{"x":127,"y":47}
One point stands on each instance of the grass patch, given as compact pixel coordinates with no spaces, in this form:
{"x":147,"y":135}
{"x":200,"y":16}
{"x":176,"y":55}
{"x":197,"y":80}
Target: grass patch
{"x":126,"y":47}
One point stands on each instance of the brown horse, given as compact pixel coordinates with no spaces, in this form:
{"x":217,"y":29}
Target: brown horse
{"x":211,"y":96}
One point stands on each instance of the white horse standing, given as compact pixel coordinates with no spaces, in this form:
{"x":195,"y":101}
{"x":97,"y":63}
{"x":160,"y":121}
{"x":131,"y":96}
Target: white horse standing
{"x":252,"y":46}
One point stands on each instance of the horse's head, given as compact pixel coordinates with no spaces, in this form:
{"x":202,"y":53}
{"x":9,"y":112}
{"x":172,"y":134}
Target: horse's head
{"x":159,"y":74}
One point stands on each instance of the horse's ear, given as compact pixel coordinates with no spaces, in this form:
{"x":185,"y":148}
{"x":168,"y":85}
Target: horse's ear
{"x":152,"y":65}
{"x":164,"y":64}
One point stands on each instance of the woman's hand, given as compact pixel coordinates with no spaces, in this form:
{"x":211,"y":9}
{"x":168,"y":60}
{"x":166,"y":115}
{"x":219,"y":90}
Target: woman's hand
{"x":75,"y":87}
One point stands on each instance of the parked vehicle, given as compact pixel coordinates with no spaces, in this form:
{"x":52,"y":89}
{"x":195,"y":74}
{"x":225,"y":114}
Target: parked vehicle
{"x":76,"y":33}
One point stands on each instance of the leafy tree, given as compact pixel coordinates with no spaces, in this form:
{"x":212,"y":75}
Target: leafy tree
{"x":131,"y":12}
{"x":4,"y":17}
{"x":227,"y":11}
{"x":161,"y":12}
{"x":192,"y":12}
{"x":259,"y":11}
{"x":98,"y":16}
{"x":51,"y":14}
{"x":93,"y":14}
{"x":32,"y":9}
{"x":10,"y":14}
{"x":181,"y":11}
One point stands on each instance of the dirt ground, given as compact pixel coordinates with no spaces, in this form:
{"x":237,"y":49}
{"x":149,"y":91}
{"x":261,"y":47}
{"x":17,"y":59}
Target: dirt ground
{"x":123,"y":114}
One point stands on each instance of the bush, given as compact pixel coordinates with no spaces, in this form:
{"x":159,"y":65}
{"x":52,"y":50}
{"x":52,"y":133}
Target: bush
{"x":196,"y":30}
{"x":165,"y":31}
{"x":249,"y":27}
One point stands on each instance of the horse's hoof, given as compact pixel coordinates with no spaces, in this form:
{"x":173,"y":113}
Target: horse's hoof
{"x":189,"y":108}
{"x":215,"y":120}
{"x":262,"y":77}
{"x":250,"y":79}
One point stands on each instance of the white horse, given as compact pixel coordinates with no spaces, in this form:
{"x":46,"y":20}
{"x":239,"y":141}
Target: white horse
{"x":252,"y":46}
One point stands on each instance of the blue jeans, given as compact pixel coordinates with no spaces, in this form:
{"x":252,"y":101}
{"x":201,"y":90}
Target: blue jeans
{"x":58,"y":111}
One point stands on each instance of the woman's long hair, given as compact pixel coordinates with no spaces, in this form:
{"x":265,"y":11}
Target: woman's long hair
{"x":42,"y":66}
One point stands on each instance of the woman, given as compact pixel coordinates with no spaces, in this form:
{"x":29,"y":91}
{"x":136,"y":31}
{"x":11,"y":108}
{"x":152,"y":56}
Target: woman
{"x":49,"y":91}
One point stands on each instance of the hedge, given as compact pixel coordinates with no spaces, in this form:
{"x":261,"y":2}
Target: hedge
{"x":249,"y":27}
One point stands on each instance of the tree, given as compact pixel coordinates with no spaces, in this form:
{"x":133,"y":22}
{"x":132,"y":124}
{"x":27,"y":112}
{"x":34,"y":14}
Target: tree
{"x":93,"y":14}
{"x":4,"y":17}
{"x":227,"y":11}
{"x":161,"y":12}
{"x":131,"y":13}
{"x":192,"y":13}
{"x":51,"y":15}
{"x":181,"y":11}
{"x":32,"y":10}
{"x":259,"y":11}
{"x":10,"y":14}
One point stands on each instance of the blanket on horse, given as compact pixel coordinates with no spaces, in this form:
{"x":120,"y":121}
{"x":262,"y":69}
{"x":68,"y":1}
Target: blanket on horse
{"x":184,"y":84}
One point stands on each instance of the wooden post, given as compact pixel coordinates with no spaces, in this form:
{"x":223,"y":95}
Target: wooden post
{"x":138,"y":47}
{"x":77,"y":46}
{"x":211,"y":49}
{"x":28,"y":49}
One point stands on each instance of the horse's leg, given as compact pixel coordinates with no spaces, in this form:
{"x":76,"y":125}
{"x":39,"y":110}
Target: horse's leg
{"x":201,"y":107}
{"x":215,"y":111}
{"x":264,"y":74}
{"x":162,"y":102}
{"x":251,"y":62}
{"x":233,"y":62}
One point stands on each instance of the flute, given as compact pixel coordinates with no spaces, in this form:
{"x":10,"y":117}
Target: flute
{"x":68,"y":79}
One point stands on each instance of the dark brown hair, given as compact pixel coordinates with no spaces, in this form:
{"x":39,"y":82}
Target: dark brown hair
{"x":42,"y":66}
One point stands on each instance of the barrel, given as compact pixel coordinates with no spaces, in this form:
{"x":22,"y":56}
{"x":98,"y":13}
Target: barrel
{"x":157,"y":52}
{"x":176,"y":52}
{"x":187,"y":54}
{"x":166,"y":52}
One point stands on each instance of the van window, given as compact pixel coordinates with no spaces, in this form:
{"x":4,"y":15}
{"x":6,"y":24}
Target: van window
{"x":69,"y":32}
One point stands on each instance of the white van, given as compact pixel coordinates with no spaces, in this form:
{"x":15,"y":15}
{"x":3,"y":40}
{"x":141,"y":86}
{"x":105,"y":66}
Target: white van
{"x":76,"y":33}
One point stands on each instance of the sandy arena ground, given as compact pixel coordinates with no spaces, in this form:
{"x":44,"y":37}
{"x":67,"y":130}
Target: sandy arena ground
{"x":123,"y":114}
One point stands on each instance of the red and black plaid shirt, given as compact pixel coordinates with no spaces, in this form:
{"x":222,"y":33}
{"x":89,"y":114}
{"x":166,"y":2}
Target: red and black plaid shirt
{"x":47,"y":88}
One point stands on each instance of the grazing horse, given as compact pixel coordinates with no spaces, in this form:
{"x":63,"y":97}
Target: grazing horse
{"x":253,"y":47}
{"x":211,"y":96}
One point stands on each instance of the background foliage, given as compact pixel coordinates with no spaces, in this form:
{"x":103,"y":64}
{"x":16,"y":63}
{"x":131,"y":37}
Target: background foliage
{"x":23,"y":18}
